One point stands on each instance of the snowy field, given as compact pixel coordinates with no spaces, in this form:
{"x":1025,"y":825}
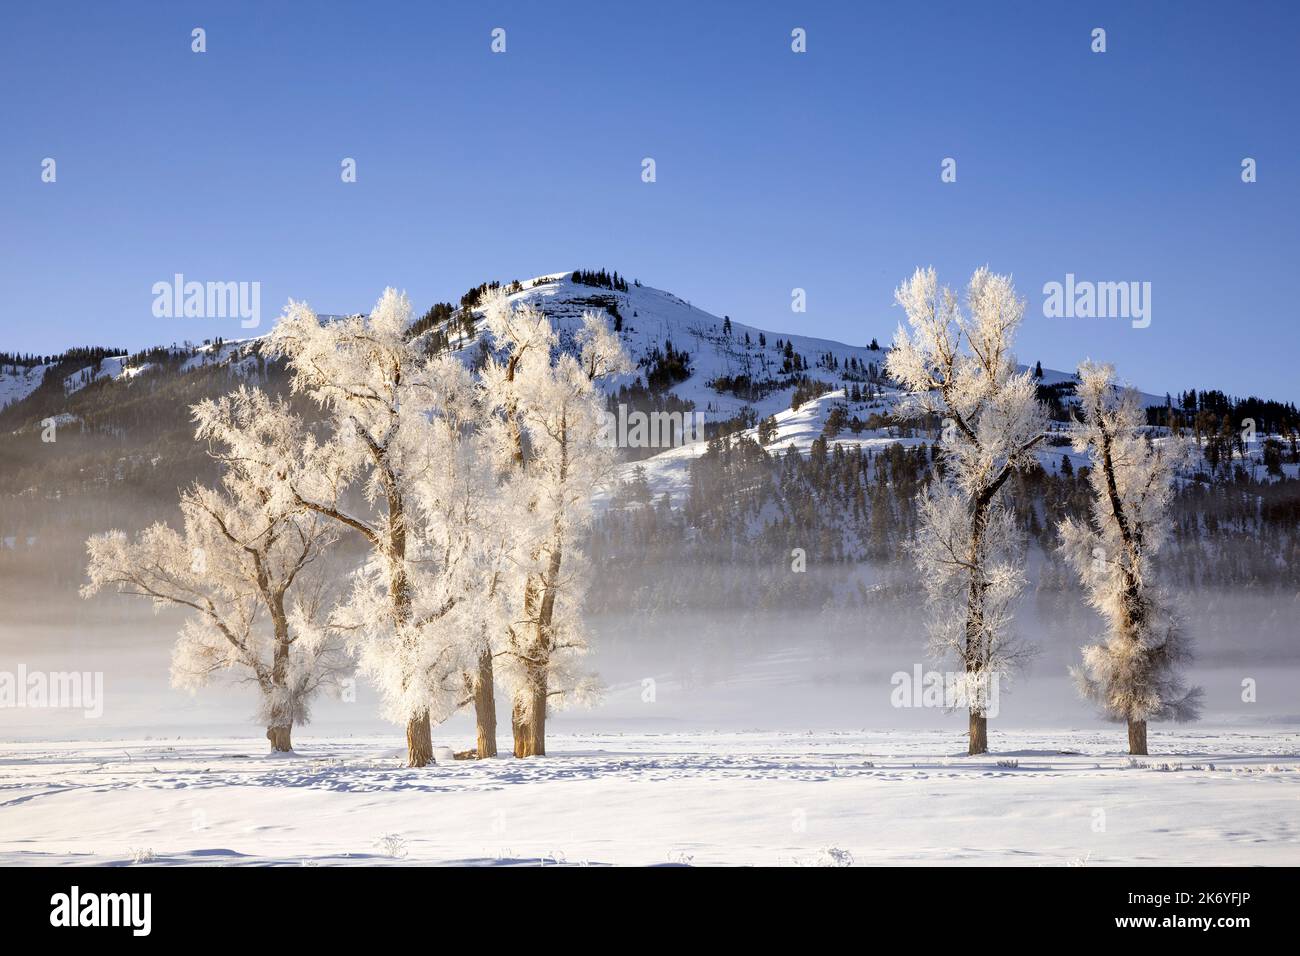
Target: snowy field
{"x":1062,"y":798}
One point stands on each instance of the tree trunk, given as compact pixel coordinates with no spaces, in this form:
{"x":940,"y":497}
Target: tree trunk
{"x":528,"y":719}
{"x":419,"y":745}
{"x":281,"y":710}
{"x":976,"y":651}
{"x":485,"y":707}
{"x":1137,"y":737}
{"x":979,"y":734}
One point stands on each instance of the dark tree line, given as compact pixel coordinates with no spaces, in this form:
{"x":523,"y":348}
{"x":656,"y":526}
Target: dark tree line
{"x":601,"y":279}
{"x":83,"y":354}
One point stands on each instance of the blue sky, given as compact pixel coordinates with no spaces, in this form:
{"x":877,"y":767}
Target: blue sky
{"x":775,"y":170}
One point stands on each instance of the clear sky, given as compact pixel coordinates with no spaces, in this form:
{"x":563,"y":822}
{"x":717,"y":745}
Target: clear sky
{"x":775,"y":170}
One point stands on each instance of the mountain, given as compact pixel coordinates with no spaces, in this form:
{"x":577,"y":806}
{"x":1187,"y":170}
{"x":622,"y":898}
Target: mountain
{"x":739,"y":378}
{"x":650,"y":319}
{"x":733,"y":374}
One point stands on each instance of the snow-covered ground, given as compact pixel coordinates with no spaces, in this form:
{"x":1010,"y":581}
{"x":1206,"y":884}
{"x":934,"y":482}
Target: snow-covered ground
{"x":1043,"y":799}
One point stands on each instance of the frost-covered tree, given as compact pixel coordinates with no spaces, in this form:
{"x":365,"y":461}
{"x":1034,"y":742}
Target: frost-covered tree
{"x":463,"y":541}
{"x":1134,"y":672}
{"x":551,"y":426}
{"x":960,"y":369}
{"x":247,"y":567}
{"x":521,"y":336}
{"x":383,"y":400}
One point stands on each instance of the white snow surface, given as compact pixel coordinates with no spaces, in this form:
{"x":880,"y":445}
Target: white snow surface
{"x":1057,"y":798}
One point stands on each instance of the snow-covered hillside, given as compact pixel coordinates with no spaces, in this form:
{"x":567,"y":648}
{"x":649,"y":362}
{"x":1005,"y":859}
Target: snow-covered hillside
{"x":724,"y":351}
{"x":19,"y":381}
{"x":733,"y":368}
{"x":236,"y":352}
{"x":651,"y":318}
{"x":113,"y":366}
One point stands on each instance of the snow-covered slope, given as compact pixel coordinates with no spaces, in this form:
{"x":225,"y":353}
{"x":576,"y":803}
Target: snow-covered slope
{"x":652,"y":317}
{"x":650,"y":320}
{"x":235,"y":352}
{"x":113,"y":366}
{"x":19,"y":381}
